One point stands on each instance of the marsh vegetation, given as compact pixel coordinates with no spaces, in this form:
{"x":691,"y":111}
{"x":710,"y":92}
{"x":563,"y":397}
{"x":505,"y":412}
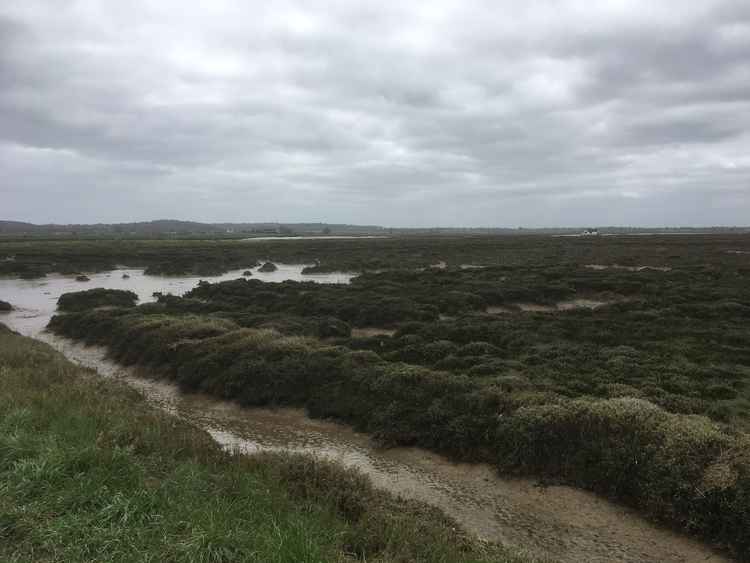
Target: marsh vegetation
{"x":89,"y":472}
{"x":268,"y":267}
{"x":97,"y":297}
{"x":35,"y":258}
{"x":629,"y":381}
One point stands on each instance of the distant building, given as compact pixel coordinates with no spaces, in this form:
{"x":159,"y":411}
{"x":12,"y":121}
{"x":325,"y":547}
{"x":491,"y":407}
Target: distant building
{"x":590,"y":232}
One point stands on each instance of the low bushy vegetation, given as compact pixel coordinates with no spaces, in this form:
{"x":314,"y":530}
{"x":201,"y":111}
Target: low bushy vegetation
{"x":678,"y":339}
{"x":684,"y":469}
{"x":89,"y":472}
{"x":5,"y":306}
{"x":35,"y":258}
{"x":645,"y":399}
{"x":98,"y":297}
{"x":268,"y":267}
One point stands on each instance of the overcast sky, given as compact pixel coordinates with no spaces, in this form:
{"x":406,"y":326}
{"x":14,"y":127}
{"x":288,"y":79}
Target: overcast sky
{"x":465,"y":113}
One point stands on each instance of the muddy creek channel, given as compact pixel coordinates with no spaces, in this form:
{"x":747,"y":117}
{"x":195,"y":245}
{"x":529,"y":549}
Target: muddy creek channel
{"x":556,"y":522}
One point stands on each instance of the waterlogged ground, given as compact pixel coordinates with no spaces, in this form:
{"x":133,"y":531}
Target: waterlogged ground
{"x":557,"y":522}
{"x":34,"y":301}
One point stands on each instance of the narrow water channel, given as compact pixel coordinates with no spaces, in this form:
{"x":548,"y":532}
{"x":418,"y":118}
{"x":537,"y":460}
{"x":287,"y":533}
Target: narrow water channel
{"x":559,"y":522}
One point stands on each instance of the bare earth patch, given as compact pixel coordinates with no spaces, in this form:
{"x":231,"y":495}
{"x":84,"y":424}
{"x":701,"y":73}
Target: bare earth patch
{"x":372,"y":331}
{"x":580,"y":304}
{"x":539,"y":308}
{"x":497,"y":310}
{"x":627,"y":268}
{"x":441,"y":265}
{"x":535,"y":308}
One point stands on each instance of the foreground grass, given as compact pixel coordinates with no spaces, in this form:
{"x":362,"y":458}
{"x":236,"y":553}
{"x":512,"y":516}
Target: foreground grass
{"x":89,"y":472}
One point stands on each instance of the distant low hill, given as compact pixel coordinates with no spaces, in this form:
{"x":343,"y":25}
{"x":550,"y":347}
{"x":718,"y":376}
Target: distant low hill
{"x":167,"y":227}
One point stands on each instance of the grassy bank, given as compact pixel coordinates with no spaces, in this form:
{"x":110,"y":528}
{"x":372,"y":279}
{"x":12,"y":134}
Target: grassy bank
{"x":683,"y":469}
{"x":88,"y":472}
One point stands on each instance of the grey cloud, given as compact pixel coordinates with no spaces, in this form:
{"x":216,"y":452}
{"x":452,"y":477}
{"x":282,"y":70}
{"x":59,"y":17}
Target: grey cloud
{"x":453,"y":113}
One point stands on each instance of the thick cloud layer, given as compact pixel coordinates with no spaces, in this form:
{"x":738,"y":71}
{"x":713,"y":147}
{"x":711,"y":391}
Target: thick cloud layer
{"x":458,"y":113}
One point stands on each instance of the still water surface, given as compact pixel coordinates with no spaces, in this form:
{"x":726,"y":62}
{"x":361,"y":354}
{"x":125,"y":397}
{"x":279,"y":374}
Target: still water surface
{"x":35,"y":301}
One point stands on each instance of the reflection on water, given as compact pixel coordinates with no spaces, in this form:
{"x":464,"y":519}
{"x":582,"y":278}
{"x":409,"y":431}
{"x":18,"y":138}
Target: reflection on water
{"x":35,"y":301}
{"x":560,"y":522}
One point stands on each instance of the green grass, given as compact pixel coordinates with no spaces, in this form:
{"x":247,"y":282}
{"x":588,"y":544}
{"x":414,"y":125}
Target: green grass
{"x":89,"y":472}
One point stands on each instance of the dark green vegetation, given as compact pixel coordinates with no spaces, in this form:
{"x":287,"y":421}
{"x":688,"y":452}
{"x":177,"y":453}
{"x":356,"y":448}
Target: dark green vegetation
{"x":268,"y":267}
{"x":89,"y":472}
{"x":37,"y":258}
{"x":98,"y":297}
{"x":5,"y":306}
{"x":645,"y":399}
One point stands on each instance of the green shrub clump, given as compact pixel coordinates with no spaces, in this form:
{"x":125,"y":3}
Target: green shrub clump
{"x":98,"y":297}
{"x":268,"y":267}
{"x":684,"y":469}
